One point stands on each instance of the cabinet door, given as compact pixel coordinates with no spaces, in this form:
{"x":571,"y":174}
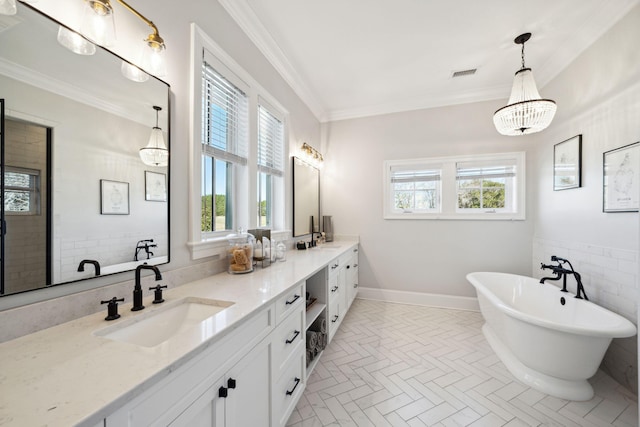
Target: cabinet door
{"x":249,"y":385}
{"x":208,"y":410}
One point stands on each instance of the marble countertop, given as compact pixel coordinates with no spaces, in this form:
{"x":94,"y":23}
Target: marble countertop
{"x":65,"y":375}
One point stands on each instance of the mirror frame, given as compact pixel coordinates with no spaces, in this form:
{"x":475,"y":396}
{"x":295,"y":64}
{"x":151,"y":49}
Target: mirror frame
{"x":99,"y":280}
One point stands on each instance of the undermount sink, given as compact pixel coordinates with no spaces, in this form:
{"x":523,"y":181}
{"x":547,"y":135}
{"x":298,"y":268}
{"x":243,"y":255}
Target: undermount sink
{"x":155,"y":327}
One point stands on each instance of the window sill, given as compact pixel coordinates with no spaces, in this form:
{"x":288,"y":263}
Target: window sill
{"x":457,"y":217}
{"x":216,"y":246}
{"x":208,"y":248}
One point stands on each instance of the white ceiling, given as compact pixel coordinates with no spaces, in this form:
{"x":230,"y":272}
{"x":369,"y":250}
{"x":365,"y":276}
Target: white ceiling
{"x":358,"y":58}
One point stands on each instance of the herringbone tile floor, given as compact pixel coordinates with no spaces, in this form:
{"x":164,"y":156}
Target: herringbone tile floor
{"x":402,"y":365}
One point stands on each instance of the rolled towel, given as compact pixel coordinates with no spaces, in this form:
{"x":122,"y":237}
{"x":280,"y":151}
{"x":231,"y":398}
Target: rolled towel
{"x":309,"y":356}
{"x":312,"y":340}
{"x":323,"y":326}
{"x":320,"y":345}
{"x":324,"y":341}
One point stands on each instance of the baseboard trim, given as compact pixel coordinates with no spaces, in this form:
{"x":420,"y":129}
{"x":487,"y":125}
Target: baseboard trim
{"x":420,"y":298}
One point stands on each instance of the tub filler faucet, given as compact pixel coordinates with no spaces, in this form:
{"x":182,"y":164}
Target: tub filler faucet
{"x":146,"y":245}
{"x":561,"y":272}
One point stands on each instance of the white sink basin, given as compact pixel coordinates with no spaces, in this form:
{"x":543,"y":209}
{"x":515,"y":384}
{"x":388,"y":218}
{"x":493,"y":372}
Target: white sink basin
{"x":153,"y":328}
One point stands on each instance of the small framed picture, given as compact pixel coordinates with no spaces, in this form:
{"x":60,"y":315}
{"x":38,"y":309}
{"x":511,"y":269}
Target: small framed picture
{"x":621,"y":183}
{"x":155,"y":185}
{"x":567,"y":164}
{"x":114,"y":197}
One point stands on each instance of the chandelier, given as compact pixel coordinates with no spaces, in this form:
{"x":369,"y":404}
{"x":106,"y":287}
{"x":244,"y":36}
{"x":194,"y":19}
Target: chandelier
{"x":526,"y":111}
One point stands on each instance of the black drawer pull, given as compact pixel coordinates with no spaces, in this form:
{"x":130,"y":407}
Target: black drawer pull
{"x":295,"y":298}
{"x":355,"y":265}
{"x":290,"y":392}
{"x":335,"y":288}
{"x":335,"y":319}
{"x":295,"y":335}
{"x":222,"y":392}
{"x":348,"y":267}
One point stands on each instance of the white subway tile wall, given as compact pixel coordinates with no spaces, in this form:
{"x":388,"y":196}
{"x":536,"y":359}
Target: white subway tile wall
{"x":610,"y":278}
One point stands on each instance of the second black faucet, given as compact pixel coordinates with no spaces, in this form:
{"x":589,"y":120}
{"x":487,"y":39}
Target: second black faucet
{"x":137,"y":290}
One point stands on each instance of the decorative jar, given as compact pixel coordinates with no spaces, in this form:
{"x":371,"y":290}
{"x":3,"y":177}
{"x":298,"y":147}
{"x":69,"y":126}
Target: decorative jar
{"x":240,"y":252}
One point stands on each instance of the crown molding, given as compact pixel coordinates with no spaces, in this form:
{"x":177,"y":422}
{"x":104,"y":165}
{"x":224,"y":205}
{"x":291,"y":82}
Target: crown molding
{"x":425,"y":101}
{"x":50,"y":84}
{"x":246,"y":18}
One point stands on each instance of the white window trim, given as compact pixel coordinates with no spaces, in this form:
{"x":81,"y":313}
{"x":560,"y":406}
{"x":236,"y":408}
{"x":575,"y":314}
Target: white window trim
{"x":448,"y":201}
{"x":200,"y":244}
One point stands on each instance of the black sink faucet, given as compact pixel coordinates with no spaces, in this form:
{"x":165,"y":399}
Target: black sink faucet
{"x":137,"y":290}
{"x":95,"y":263}
{"x":560,"y":272}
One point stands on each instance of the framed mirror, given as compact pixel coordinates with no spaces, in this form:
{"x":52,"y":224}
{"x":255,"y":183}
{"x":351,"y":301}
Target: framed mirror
{"x":78,"y":202}
{"x":306,"y":198}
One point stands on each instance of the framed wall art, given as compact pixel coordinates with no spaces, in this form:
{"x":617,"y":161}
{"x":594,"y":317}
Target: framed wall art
{"x":114,"y":197}
{"x":567,"y":164}
{"x":155,"y":185}
{"x":621,"y":180}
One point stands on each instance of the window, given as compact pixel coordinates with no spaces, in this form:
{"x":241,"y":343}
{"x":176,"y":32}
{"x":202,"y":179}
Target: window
{"x":238,"y":147}
{"x":415,"y":189}
{"x":21,"y":191}
{"x":270,"y":164}
{"x":224,"y":148}
{"x":488,"y":186}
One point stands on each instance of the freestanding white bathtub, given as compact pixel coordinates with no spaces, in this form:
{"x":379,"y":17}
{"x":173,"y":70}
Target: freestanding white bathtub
{"x":551,"y":345}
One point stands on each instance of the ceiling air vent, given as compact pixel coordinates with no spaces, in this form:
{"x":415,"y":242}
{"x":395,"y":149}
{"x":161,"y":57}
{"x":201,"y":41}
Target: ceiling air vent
{"x":464,"y":73}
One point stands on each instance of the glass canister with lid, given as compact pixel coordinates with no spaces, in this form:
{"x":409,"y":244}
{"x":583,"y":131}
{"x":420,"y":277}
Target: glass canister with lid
{"x":240,"y":252}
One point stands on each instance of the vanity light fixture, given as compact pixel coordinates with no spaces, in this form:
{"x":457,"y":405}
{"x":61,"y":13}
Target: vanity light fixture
{"x":526,"y":111}
{"x":75,"y":42}
{"x":133,"y":73}
{"x":156,"y":152}
{"x":98,"y":25}
{"x":8,"y":7}
{"x":311,"y":155}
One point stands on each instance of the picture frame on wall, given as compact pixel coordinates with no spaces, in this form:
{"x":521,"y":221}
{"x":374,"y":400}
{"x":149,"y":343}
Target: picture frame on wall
{"x":621,"y":183}
{"x":155,"y":185}
{"x":114,"y":197}
{"x":567,"y":164}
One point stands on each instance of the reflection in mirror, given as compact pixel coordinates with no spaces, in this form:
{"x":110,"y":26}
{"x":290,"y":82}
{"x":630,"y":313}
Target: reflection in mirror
{"x":73,"y":124}
{"x":306,"y":198}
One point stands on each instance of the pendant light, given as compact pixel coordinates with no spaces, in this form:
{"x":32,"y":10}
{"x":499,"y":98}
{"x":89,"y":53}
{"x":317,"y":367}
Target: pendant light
{"x":156,"y":152}
{"x":526,"y":111}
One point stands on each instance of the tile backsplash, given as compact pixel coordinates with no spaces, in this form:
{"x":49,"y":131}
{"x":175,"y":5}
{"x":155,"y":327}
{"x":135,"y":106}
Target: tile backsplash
{"x":610,"y":278}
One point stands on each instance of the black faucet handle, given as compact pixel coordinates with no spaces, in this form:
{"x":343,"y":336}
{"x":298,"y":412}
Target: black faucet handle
{"x":158,"y":294}
{"x":112,"y":308}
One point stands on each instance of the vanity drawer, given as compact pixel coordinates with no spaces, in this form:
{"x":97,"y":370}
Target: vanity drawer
{"x":289,"y":302}
{"x":287,"y":338}
{"x":288,"y":389}
{"x":335,"y":316}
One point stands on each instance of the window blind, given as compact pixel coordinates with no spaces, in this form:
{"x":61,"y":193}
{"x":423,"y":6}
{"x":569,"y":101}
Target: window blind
{"x":486,"y":170}
{"x":270,"y":143}
{"x":405,"y":176}
{"x":225,"y":118}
